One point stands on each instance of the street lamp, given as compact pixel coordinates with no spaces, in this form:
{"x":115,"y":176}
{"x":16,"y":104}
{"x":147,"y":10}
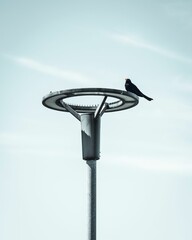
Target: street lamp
{"x":90,"y":118}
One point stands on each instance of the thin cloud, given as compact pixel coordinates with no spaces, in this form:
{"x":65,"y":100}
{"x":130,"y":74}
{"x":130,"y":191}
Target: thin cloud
{"x":140,"y":43}
{"x":154,"y":165}
{"x":179,"y":10}
{"x":50,"y":70}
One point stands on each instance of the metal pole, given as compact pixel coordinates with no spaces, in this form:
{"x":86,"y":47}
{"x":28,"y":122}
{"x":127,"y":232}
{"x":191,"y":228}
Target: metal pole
{"x":91,"y":199}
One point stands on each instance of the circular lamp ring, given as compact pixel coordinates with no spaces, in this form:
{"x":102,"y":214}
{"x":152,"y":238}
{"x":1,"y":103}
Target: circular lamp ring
{"x":124,"y":101}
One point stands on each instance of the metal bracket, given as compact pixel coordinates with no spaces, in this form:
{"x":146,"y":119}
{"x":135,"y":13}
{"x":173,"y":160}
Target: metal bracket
{"x":106,"y":105}
{"x":99,"y":109}
{"x":71,"y":110}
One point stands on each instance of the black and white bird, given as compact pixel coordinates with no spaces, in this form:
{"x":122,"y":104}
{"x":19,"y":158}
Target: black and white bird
{"x":130,"y":87}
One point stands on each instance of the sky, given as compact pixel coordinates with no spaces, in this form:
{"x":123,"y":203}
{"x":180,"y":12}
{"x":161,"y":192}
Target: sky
{"x":144,"y":175}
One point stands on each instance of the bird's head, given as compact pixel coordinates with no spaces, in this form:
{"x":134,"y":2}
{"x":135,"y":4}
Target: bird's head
{"x":127,"y":80}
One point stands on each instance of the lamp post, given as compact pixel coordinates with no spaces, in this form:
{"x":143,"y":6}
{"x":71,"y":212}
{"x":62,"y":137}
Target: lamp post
{"x":90,"y":118}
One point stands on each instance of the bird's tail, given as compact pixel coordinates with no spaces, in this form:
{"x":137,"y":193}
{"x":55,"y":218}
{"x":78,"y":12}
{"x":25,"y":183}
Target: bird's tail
{"x":148,"y":98}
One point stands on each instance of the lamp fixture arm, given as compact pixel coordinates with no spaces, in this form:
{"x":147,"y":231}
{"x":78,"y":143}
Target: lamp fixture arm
{"x":71,"y":110}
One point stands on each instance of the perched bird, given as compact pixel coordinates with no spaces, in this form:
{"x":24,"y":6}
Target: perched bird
{"x":130,"y":87}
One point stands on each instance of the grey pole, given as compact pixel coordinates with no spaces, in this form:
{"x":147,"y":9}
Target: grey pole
{"x":90,"y":131}
{"x":91,"y":199}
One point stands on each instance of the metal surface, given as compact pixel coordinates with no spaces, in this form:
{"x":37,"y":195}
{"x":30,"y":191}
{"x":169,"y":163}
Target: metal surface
{"x":90,"y":132}
{"x":71,"y":110}
{"x":100,"y":107}
{"x":92,"y":199}
{"x":124,"y":101}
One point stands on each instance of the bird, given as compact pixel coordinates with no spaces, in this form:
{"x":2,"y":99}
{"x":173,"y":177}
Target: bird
{"x":130,"y":87}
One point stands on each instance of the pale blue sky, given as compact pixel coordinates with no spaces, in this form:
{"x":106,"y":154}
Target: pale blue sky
{"x":145,"y":170}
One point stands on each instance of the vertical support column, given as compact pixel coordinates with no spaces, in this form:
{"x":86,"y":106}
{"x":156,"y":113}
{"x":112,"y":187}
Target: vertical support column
{"x":92,"y":199}
{"x":90,"y":131}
